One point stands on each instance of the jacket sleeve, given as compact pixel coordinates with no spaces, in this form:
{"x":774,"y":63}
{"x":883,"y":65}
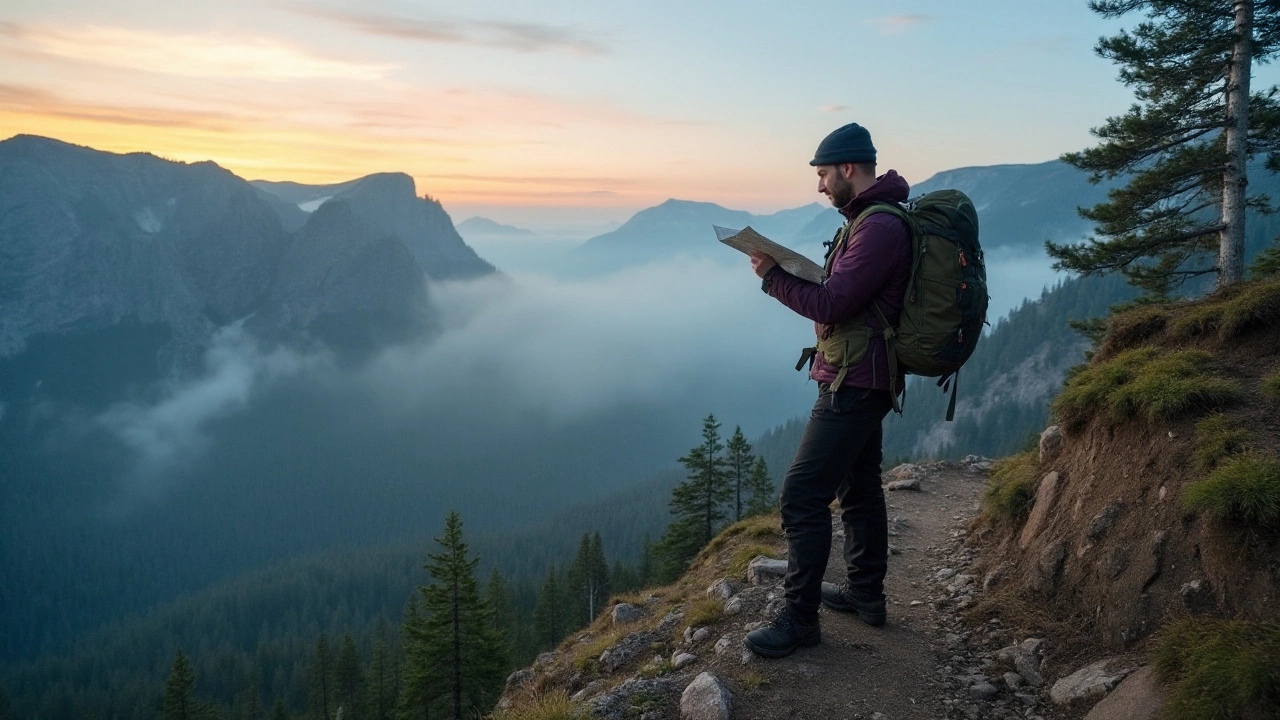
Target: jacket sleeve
{"x":868,"y":261}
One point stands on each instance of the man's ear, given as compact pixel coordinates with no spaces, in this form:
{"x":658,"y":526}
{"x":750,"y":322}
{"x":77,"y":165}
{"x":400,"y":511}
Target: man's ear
{"x":847,"y":170}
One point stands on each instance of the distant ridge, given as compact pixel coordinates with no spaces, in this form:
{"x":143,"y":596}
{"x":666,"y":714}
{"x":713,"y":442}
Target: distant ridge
{"x":485,"y":226}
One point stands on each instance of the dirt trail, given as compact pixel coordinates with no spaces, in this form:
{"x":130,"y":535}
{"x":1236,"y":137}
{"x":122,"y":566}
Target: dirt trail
{"x":908,"y":668}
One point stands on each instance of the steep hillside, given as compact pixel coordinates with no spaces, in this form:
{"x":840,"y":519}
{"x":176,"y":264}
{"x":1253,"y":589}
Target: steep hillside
{"x":1157,"y":497}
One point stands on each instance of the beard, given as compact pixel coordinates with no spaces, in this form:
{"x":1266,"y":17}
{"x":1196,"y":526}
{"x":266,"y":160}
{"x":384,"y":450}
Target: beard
{"x":840,"y":192}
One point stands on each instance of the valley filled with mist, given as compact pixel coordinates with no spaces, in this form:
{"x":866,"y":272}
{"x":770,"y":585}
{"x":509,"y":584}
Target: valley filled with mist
{"x":268,"y":395}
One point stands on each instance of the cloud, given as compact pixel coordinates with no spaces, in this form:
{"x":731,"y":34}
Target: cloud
{"x":171,"y":433}
{"x":22,"y":99}
{"x":834,"y":108}
{"x":209,"y":55}
{"x":515,"y":36}
{"x":895,"y":24}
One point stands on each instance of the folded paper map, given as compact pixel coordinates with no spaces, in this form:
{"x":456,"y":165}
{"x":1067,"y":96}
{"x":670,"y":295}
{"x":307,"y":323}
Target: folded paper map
{"x":749,"y":241}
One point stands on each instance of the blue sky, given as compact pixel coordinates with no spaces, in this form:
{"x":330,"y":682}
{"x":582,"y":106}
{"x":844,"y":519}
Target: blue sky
{"x":532,"y":113}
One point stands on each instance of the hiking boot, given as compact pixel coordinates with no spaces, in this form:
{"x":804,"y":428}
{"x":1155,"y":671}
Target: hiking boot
{"x":781,"y":637}
{"x":842,"y":598}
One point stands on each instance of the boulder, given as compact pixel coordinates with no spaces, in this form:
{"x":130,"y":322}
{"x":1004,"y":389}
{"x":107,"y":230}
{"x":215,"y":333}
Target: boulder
{"x":723,"y":589}
{"x":906,"y":484}
{"x":616,"y":704}
{"x":1102,"y":523}
{"x":1052,"y":441}
{"x":706,"y":698}
{"x":1025,"y":658}
{"x":765,"y":570}
{"x":683,"y":660}
{"x":1046,"y":496}
{"x":1088,"y":683}
{"x":1138,"y":697}
{"x":518,"y":679}
{"x":626,"y":613}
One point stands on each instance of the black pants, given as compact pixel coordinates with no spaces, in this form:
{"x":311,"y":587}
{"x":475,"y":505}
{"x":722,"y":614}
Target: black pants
{"x":839,"y":457}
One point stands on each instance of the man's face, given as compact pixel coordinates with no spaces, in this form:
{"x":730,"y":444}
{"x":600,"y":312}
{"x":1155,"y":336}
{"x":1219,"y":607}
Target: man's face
{"x":834,"y":182}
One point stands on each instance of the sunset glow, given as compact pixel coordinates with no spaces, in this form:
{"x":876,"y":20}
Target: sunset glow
{"x":607,"y":108}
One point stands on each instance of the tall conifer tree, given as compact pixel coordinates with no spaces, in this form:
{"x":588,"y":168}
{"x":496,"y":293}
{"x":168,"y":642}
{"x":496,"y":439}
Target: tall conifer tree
{"x":549,"y":615}
{"x":738,"y":462}
{"x":588,"y":578}
{"x":382,"y":693}
{"x":179,"y":702}
{"x":764,"y":496}
{"x":457,"y":636}
{"x":1185,"y":146}
{"x":349,"y":680}
{"x":320,"y":680}
{"x":698,"y":503}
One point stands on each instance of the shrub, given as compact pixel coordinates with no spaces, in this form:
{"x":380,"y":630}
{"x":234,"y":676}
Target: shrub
{"x":1270,"y":386}
{"x":1216,"y":439}
{"x":1245,"y":489}
{"x":1219,"y":669}
{"x":1147,"y":382}
{"x":1012,"y":486}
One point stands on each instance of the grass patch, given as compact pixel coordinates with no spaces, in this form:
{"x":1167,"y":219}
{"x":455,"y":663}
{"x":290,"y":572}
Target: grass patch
{"x":1244,"y":489}
{"x":586,"y":656}
{"x":752,"y":680}
{"x":1144,"y":382}
{"x":743,"y":557}
{"x":1270,"y":386}
{"x":759,"y":526}
{"x":1216,"y":440}
{"x":1133,"y":325}
{"x":1219,"y":669}
{"x":551,"y":705}
{"x":703,"y":612}
{"x":653,"y":670}
{"x":1230,"y":312}
{"x":1012,"y":486}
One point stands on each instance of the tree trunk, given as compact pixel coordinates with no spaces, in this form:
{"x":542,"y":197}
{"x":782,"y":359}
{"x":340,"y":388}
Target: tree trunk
{"x":1235,"y":179}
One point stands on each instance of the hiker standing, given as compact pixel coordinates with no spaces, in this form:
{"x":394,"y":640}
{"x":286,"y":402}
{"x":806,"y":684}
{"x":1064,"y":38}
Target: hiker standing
{"x":868,"y":265}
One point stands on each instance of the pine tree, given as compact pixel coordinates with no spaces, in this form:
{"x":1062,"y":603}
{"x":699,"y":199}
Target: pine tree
{"x":348,"y":680}
{"x":548,"y":614}
{"x":6,"y":712}
{"x":588,"y":579}
{"x":381,"y":676}
{"x":764,"y":496}
{"x":457,"y":636}
{"x":738,"y":465}
{"x":646,"y":570}
{"x":498,"y":596}
{"x":277,"y":710}
{"x":320,"y":681}
{"x":419,"y":692}
{"x":1185,"y":147}
{"x":698,"y":503}
{"x":179,"y":702}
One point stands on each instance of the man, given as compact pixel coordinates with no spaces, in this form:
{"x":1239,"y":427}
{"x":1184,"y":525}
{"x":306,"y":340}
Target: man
{"x":840,"y":453}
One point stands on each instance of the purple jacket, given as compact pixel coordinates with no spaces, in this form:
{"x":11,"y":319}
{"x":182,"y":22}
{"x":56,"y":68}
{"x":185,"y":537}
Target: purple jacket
{"x":873,"y":265}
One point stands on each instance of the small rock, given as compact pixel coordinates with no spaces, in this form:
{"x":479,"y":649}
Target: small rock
{"x":706,"y":698}
{"x":683,"y":660}
{"x":907,"y":484}
{"x":765,"y":570}
{"x":734,"y":605}
{"x":1052,"y":441}
{"x":1088,"y":683}
{"x":723,"y":589}
{"x":1196,"y":596}
{"x":945,"y":574}
{"x":593,"y":688}
{"x":1139,"y":697}
{"x":983,"y":691}
{"x":1105,"y":519}
{"x":723,"y":644}
{"x":626,"y":613}
{"x":993,"y":578}
{"x":545,"y":658}
{"x":1013,"y":680}
{"x":700,"y":634}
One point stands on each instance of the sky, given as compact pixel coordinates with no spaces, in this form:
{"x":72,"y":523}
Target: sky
{"x":559,"y":112}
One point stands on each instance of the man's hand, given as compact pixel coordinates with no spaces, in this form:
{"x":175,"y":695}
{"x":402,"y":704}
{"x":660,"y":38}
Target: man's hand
{"x":761,"y":264}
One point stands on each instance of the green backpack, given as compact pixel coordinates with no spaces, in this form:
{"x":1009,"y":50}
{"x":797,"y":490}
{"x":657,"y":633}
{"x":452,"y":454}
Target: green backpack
{"x":946,"y":302}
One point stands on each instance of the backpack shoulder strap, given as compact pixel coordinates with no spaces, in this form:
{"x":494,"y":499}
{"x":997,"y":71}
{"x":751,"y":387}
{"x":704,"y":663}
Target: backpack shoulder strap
{"x":845,"y":232}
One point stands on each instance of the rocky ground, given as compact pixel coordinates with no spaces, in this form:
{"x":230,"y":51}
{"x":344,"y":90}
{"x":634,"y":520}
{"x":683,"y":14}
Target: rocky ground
{"x":926,"y":663}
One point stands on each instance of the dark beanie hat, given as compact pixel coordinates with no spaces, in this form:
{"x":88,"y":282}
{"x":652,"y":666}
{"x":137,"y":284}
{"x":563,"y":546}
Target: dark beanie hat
{"x":849,"y":144}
